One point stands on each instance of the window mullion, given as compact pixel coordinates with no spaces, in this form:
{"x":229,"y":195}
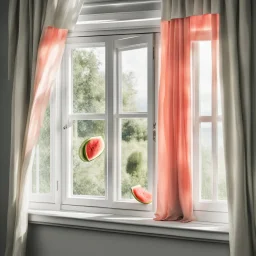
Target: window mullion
{"x":196,"y":123}
{"x":117,"y":121}
{"x":215,"y":122}
{"x":82,"y":116}
{"x":132,"y":115}
{"x":110,"y":81}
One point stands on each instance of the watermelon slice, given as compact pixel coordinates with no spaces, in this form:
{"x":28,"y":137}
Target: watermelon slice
{"x":91,"y":148}
{"x":141,"y":194}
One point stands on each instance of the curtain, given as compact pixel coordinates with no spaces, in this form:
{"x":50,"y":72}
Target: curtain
{"x":37,"y":34}
{"x":237,"y":67}
{"x":174,"y":196}
{"x":239,"y":105}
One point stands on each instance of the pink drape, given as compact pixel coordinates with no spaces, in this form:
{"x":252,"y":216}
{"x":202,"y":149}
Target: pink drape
{"x":49,"y":57}
{"x":174,"y":191}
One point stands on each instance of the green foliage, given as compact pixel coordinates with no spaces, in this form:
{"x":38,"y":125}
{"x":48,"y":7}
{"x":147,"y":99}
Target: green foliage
{"x":89,"y":97}
{"x":134,"y":163}
{"x":138,"y":177}
{"x":206,"y":175}
{"x":128,"y":92}
{"x":90,"y":125}
{"x":88,"y":177}
{"x":89,"y":82}
{"x":132,"y":129}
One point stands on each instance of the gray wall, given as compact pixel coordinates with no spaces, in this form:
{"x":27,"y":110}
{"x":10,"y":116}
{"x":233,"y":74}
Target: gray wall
{"x":56,"y":241}
{"x":5,"y":126}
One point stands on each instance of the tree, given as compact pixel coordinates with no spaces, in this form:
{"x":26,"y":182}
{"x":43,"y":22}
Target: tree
{"x":89,"y":97}
{"x":134,"y":129}
{"x":134,"y":163}
{"x":129,"y":92}
{"x":88,"y":82}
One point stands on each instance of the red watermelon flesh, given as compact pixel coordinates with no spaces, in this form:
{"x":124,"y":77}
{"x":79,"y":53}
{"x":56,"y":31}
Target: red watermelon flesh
{"x":141,"y":194}
{"x":93,"y":148}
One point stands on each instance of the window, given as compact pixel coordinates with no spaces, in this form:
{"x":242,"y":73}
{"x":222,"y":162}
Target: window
{"x":107,"y":90}
{"x":44,"y":157}
{"x":209,"y":184}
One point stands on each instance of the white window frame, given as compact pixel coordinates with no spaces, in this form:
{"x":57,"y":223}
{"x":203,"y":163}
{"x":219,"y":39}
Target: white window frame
{"x":112,"y":45}
{"x":207,"y":210}
{"x":50,"y":200}
{"x":204,"y":211}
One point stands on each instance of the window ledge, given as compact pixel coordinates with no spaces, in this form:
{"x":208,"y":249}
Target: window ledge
{"x":203,"y":231}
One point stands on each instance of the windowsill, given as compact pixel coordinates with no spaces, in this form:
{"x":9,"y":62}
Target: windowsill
{"x":203,"y":231}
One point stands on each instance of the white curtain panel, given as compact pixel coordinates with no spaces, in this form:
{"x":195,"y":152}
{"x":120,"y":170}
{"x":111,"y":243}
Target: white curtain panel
{"x":237,"y":44}
{"x":27,"y":19}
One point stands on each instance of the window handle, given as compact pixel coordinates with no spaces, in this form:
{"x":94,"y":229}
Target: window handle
{"x":154,"y":132}
{"x":68,"y":125}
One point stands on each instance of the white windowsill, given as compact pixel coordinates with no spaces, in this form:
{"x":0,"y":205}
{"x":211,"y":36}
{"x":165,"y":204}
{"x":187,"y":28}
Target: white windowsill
{"x":203,"y":231}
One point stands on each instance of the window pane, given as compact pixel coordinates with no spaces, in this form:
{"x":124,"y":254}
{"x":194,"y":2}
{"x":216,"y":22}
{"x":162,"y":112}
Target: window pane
{"x":88,"y":177}
{"x":134,"y":80}
{"x":222,"y":191}
{"x":41,"y":165}
{"x":89,"y":80}
{"x":219,"y":101}
{"x":134,"y":155}
{"x":206,"y":162}
{"x":34,"y":177}
{"x":205,"y":78}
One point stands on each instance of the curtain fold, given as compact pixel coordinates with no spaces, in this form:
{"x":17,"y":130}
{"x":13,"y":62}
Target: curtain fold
{"x":174,"y":191}
{"x":37,"y":34}
{"x":238,"y":72}
{"x":174,"y":175}
{"x":238,"y":69}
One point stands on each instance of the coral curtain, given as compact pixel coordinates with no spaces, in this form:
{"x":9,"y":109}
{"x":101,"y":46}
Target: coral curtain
{"x":37,"y":39}
{"x":174,"y":191}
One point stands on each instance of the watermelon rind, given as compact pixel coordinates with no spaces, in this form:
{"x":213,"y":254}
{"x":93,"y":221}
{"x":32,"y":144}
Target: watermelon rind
{"x":82,"y":153}
{"x":138,"y":186}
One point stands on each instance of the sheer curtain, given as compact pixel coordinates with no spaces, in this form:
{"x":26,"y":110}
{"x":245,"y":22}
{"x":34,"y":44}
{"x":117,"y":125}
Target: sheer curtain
{"x":174,"y":197}
{"x":37,"y":34}
{"x":238,"y":69}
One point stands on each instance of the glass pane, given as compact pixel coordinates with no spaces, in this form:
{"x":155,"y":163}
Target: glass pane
{"x":44,"y":149}
{"x":34,"y":177}
{"x":206,"y":162}
{"x":88,"y":177}
{"x":134,"y":155}
{"x":134,"y":80}
{"x":219,"y":101}
{"x":222,"y":191}
{"x":205,"y":78}
{"x":89,"y":80}
{"x":41,"y":165}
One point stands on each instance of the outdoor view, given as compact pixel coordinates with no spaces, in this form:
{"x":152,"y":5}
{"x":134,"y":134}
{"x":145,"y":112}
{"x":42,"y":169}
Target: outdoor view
{"x":89,"y":97}
{"x":41,"y":164}
{"x":205,"y":132}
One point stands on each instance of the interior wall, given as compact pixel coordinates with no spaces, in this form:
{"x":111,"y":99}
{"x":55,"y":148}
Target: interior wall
{"x":5,"y":121}
{"x":56,"y":241}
